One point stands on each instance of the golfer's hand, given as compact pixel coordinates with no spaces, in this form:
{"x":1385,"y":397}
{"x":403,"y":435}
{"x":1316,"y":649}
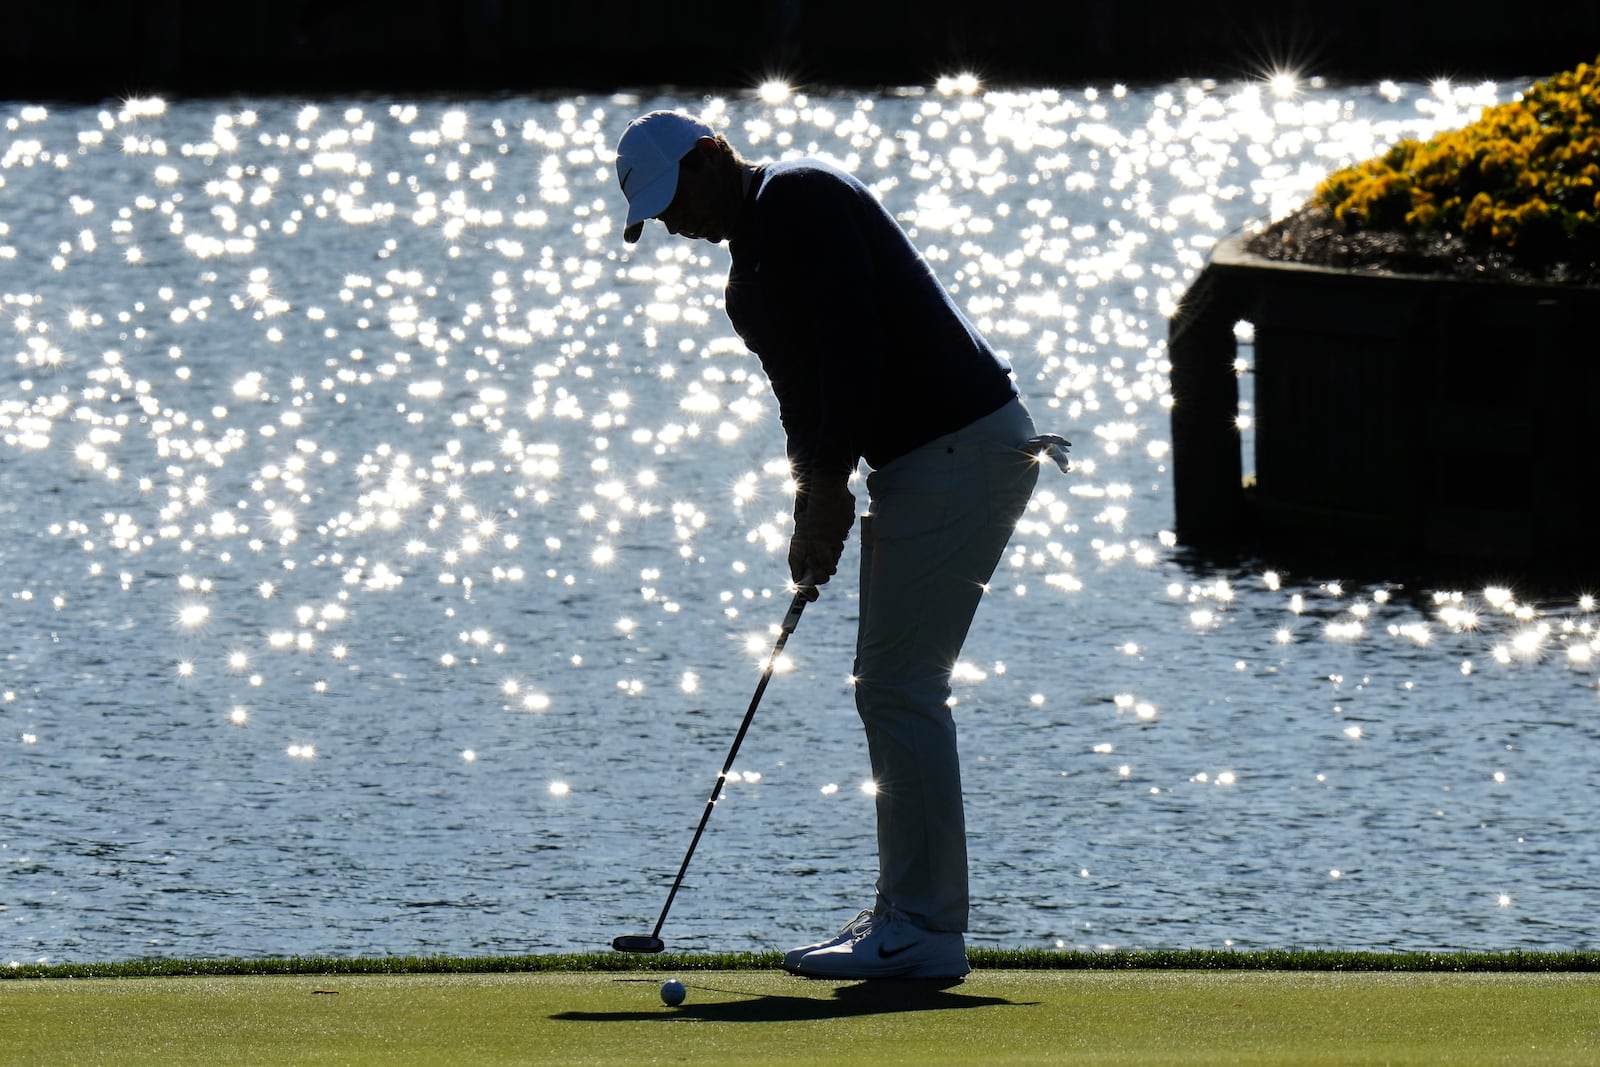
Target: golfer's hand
{"x":823,"y":516}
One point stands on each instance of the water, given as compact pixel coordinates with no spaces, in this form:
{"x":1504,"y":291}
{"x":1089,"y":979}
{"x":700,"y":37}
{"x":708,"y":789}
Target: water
{"x":389,"y":552}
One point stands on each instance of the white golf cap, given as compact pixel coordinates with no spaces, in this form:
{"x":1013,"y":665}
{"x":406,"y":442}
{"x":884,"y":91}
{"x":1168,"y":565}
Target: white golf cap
{"x":647,"y":163}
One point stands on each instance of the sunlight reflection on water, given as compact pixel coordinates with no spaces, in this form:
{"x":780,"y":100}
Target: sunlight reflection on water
{"x":390,"y":552}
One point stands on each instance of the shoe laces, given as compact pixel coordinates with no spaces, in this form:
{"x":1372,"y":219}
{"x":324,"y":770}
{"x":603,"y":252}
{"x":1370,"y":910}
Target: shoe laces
{"x":860,"y":926}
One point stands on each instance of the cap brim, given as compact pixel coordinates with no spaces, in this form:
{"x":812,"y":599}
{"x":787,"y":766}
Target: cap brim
{"x":632,"y":232}
{"x":653,"y":199}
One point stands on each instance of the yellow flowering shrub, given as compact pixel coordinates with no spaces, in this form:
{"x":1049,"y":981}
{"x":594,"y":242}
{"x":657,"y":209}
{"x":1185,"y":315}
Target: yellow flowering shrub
{"x":1525,"y":176}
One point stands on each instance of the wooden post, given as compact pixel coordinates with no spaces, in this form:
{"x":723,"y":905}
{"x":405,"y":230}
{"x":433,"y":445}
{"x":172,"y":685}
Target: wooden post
{"x":1207,"y":470}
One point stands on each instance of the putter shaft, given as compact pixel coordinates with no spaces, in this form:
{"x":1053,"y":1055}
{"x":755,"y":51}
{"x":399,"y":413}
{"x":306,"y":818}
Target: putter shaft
{"x":787,"y":627}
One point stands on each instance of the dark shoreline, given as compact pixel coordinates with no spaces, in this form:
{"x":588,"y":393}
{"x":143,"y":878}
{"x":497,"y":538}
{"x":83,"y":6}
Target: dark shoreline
{"x":184,"y":48}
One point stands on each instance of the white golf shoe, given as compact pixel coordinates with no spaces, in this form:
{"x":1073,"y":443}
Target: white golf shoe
{"x":854,"y":928}
{"x":883,"y":946}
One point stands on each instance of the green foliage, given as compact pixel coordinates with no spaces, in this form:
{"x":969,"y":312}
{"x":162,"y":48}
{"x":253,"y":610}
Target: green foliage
{"x":1525,"y":176}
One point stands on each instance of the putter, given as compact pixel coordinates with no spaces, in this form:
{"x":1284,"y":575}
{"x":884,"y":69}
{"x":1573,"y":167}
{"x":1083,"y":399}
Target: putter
{"x":652,"y":942}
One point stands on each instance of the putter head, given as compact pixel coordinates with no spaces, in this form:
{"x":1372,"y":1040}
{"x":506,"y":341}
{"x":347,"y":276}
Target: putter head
{"x":638,"y":943}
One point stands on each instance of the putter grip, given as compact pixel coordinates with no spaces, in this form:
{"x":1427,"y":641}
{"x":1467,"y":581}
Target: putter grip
{"x":792,"y":619}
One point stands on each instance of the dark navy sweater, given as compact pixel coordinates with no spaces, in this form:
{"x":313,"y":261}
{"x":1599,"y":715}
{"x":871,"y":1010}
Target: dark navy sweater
{"x":866,"y":352}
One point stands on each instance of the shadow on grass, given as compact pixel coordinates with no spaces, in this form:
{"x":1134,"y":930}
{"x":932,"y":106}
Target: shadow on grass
{"x":865,"y":998}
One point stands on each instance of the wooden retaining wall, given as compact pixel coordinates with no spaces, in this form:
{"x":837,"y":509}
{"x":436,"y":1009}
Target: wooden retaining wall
{"x":1428,"y":422}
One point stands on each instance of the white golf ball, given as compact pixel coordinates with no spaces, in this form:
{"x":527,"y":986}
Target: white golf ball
{"x":673,"y":992}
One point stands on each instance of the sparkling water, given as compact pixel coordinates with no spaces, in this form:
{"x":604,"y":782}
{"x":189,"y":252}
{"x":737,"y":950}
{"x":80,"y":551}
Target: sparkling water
{"x":389,"y":553}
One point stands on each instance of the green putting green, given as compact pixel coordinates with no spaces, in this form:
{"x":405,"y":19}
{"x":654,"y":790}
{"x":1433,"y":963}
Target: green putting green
{"x":762,"y":1017}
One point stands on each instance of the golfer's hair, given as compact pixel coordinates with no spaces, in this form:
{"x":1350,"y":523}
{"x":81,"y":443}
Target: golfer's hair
{"x":693,"y":161}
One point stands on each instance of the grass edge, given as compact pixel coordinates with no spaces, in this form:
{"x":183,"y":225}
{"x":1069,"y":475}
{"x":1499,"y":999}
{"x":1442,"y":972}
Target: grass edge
{"x":1291,"y":959}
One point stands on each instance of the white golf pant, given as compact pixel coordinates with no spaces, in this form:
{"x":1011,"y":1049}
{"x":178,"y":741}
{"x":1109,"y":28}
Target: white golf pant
{"x":938,"y":522}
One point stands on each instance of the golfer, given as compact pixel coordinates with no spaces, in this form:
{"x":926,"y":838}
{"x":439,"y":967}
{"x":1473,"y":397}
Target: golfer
{"x":869,"y":360}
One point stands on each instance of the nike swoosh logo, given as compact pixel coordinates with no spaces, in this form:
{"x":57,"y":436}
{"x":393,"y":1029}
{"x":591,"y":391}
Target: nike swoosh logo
{"x":887,"y":953}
